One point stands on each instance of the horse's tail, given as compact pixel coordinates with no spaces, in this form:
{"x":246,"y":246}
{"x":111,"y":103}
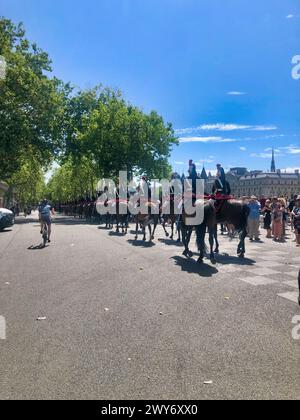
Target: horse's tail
{"x":246,"y":212}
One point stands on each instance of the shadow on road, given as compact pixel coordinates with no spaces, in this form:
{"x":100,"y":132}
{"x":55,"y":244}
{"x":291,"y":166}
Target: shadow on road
{"x":5,"y":231}
{"x":226,"y":259}
{"x":37,"y":247}
{"x":118,"y":234}
{"x":171,"y":242}
{"x":192,"y":267}
{"x":69,"y":221}
{"x":141,"y":244}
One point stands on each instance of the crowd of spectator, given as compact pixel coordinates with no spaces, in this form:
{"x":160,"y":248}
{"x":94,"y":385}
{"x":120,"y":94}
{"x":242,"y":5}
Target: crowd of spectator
{"x":274,"y":215}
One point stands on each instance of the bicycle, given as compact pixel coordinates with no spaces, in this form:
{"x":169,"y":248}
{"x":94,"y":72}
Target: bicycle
{"x":44,"y":233}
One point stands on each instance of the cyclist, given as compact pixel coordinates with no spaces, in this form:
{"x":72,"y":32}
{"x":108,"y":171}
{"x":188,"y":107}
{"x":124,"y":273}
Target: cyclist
{"x":45,"y":211}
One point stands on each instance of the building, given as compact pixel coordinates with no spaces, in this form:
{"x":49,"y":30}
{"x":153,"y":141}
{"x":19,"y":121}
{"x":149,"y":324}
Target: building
{"x":270,"y":184}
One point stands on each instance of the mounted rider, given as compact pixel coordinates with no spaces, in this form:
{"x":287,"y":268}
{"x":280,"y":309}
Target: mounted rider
{"x":221,"y":186}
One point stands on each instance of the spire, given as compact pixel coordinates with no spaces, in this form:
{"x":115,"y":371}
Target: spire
{"x":204,"y":174}
{"x":273,"y":165}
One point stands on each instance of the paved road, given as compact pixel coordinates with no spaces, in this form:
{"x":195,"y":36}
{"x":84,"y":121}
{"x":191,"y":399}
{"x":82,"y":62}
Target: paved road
{"x":128,"y":320}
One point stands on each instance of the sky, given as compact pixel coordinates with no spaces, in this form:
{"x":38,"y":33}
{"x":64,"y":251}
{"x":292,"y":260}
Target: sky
{"x":219,"y":70}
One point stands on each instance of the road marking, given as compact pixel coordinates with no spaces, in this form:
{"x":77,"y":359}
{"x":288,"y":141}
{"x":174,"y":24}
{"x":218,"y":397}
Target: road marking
{"x":258,"y":281}
{"x":292,"y":296}
{"x":262,"y":271}
{"x":293,"y":283}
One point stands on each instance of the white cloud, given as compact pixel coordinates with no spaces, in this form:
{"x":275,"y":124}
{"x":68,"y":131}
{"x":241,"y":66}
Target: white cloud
{"x":291,"y":149}
{"x":243,"y":149}
{"x":236,"y":93}
{"x":264,"y":155}
{"x":179,"y":163}
{"x":204,"y":161}
{"x":205,"y":140}
{"x":291,"y":16}
{"x":225,"y":127}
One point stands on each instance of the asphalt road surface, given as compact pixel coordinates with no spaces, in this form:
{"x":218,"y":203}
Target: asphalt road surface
{"x":123,"y":319}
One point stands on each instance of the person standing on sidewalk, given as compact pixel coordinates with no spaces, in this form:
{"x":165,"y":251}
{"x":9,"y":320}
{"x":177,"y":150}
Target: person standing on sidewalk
{"x":254,"y":219}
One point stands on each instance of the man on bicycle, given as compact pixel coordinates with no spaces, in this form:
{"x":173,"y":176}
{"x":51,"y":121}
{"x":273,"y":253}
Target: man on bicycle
{"x":45,"y":211}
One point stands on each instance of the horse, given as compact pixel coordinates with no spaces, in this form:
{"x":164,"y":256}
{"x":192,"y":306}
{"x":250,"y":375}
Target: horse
{"x":168,"y":215}
{"x":122,"y":216}
{"x":144,"y":220}
{"x":234,"y":214}
{"x":187,"y":230}
{"x":230,"y":211}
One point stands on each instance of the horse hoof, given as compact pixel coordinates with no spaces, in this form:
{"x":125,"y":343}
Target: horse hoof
{"x":190,"y":254}
{"x":152,"y":238}
{"x":185,"y":254}
{"x":213,"y":261}
{"x":242,"y":255}
{"x":167,"y":235}
{"x":200,"y":260}
{"x":216,"y":251}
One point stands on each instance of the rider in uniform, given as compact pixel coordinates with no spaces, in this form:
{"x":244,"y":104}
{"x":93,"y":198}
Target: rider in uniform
{"x":221,"y":186}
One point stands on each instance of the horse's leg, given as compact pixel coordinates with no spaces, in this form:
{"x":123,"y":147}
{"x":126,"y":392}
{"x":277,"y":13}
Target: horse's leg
{"x":241,"y":246}
{"x":172,"y":234}
{"x":184,"y":240}
{"x":211,"y":243}
{"x":136,"y":229}
{"x":178,"y":225}
{"x":151,"y":237}
{"x":155,"y":221}
{"x":200,"y":233}
{"x":164,"y":227}
{"x":216,"y":251}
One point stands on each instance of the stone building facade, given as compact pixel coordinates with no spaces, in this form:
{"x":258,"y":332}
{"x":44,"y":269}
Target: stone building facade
{"x":259,"y":183}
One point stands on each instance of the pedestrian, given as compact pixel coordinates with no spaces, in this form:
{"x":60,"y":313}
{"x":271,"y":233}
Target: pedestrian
{"x":267,"y":212}
{"x":277,"y":221}
{"x":296,"y":218}
{"x":254,"y":219}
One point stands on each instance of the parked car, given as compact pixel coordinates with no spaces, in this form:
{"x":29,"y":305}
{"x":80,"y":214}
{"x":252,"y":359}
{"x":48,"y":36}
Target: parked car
{"x":7,"y":218}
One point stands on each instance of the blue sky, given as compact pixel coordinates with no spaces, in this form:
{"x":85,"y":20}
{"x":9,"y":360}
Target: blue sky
{"x":220,"y":71}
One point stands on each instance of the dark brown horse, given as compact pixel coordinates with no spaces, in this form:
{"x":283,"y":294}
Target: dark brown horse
{"x":144,"y":220}
{"x":234,"y":214}
{"x":230,"y":211}
{"x":169,"y":216}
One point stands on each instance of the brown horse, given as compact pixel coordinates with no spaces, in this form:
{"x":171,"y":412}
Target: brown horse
{"x":169,"y":216}
{"x":144,"y":220}
{"x":234,"y":214}
{"x":187,"y":230}
{"x":231,"y":211}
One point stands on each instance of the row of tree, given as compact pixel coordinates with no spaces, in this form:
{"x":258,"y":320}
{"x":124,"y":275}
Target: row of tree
{"x":91,"y":134}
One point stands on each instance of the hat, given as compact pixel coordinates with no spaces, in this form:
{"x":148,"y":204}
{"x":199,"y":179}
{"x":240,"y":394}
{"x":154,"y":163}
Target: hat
{"x":253,"y":197}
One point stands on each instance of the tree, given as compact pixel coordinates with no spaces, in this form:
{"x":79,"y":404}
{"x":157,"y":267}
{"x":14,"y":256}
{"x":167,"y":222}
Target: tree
{"x":32,"y":106}
{"x":29,"y":181}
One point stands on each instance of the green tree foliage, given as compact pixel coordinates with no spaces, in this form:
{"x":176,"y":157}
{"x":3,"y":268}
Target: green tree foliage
{"x":72,"y":180}
{"x":118,"y":136}
{"x":92,"y":134}
{"x":32,"y":105}
{"x":29,"y":181}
